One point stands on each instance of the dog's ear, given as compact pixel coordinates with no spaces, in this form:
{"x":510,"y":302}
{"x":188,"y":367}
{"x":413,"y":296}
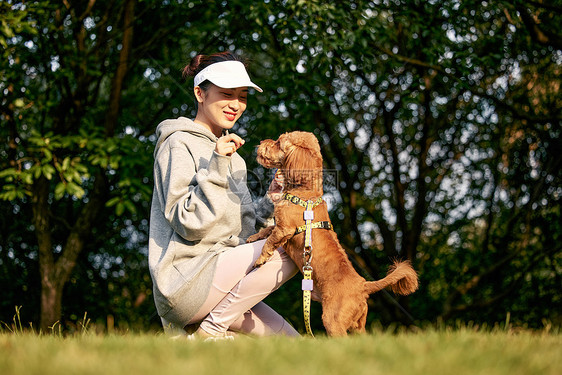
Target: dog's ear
{"x":303,"y":161}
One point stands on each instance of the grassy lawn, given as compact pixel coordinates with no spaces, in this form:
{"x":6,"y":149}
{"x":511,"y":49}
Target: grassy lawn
{"x":432,"y":352}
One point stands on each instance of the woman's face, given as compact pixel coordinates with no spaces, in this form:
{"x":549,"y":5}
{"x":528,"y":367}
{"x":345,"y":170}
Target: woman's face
{"x":220,"y":108}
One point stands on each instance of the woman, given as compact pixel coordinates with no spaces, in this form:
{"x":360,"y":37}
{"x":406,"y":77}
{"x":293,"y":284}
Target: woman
{"x":202,"y":213}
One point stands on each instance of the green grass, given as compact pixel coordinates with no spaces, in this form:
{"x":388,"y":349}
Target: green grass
{"x":433,"y":352}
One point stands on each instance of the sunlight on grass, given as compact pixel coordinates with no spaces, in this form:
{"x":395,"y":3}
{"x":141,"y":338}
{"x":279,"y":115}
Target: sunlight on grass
{"x":435,"y":352}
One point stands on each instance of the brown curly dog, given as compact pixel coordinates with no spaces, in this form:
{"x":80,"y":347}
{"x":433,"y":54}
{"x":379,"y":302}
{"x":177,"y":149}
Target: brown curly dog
{"x":343,"y":293}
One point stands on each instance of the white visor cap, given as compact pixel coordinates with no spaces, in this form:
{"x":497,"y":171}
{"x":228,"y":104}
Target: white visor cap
{"x":226,"y":74}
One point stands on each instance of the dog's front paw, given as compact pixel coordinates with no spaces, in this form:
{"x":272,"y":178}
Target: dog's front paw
{"x":256,"y":237}
{"x":261,"y":260}
{"x":253,"y":238}
{"x":264,"y":233}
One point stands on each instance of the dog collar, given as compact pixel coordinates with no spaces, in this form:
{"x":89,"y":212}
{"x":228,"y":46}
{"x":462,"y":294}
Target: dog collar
{"x":296,"y":200}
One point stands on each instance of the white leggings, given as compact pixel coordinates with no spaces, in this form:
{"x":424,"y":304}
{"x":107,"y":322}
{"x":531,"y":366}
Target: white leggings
{"x":234,"y":301}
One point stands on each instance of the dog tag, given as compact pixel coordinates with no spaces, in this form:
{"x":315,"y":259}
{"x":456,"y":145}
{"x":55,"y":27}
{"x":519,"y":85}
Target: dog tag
{"x":308,"y":215}
{"x":307,"y":284}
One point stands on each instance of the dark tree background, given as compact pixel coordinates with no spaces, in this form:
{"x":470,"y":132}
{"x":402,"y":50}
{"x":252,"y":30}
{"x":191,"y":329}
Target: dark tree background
{"x":439,"y":122}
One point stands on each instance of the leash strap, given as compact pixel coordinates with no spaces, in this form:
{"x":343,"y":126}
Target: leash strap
{"x":306,"y":298}
{"x":307,"y":284}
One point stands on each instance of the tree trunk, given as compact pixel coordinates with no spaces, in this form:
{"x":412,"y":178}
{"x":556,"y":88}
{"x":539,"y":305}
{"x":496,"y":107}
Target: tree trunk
{"x":51,"y":304}
{"x":49,"y":312}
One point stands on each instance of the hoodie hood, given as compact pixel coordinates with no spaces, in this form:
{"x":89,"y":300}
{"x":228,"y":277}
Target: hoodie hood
{"x":181,"y":124}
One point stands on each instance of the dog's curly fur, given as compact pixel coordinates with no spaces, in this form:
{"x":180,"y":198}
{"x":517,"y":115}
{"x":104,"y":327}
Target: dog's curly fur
{"x":342,"y":290}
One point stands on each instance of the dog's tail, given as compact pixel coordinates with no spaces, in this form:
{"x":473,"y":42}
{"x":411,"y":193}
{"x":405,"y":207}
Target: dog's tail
{"x":401,"y":278}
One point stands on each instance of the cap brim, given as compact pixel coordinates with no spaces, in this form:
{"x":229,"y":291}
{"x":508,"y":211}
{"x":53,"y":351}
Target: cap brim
{"x":232,"y":84}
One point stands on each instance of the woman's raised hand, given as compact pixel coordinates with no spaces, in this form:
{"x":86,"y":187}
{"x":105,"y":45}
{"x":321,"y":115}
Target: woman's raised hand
{"x":228,"y":144}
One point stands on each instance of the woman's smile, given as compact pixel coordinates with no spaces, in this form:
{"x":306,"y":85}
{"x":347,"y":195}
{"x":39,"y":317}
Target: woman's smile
{"x":230,"y":116}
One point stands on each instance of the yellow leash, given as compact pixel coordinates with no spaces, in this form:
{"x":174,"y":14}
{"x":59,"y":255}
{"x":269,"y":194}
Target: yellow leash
{"x":307,"y":283}
{"x":306,"y":291}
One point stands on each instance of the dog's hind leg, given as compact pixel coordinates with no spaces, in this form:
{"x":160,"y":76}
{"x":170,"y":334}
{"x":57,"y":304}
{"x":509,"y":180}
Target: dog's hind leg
{"x":360,"y":320}
{"x":334,"y":328}
{"x":334,"y":318}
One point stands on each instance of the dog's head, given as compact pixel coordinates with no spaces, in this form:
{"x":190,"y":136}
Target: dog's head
{"x":297,"y":155}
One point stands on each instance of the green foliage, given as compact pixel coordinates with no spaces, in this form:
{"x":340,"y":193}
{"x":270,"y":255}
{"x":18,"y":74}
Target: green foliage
{"x":70,"y":161}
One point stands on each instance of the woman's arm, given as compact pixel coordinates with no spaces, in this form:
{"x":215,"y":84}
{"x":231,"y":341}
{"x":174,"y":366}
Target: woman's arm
{"x":192,"y":201}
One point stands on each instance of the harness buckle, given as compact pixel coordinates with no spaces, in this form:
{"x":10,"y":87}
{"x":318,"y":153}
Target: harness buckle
{"x":307,"y":258}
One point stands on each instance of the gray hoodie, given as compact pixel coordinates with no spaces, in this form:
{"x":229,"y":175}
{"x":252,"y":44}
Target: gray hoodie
{"x":201,"y":206}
